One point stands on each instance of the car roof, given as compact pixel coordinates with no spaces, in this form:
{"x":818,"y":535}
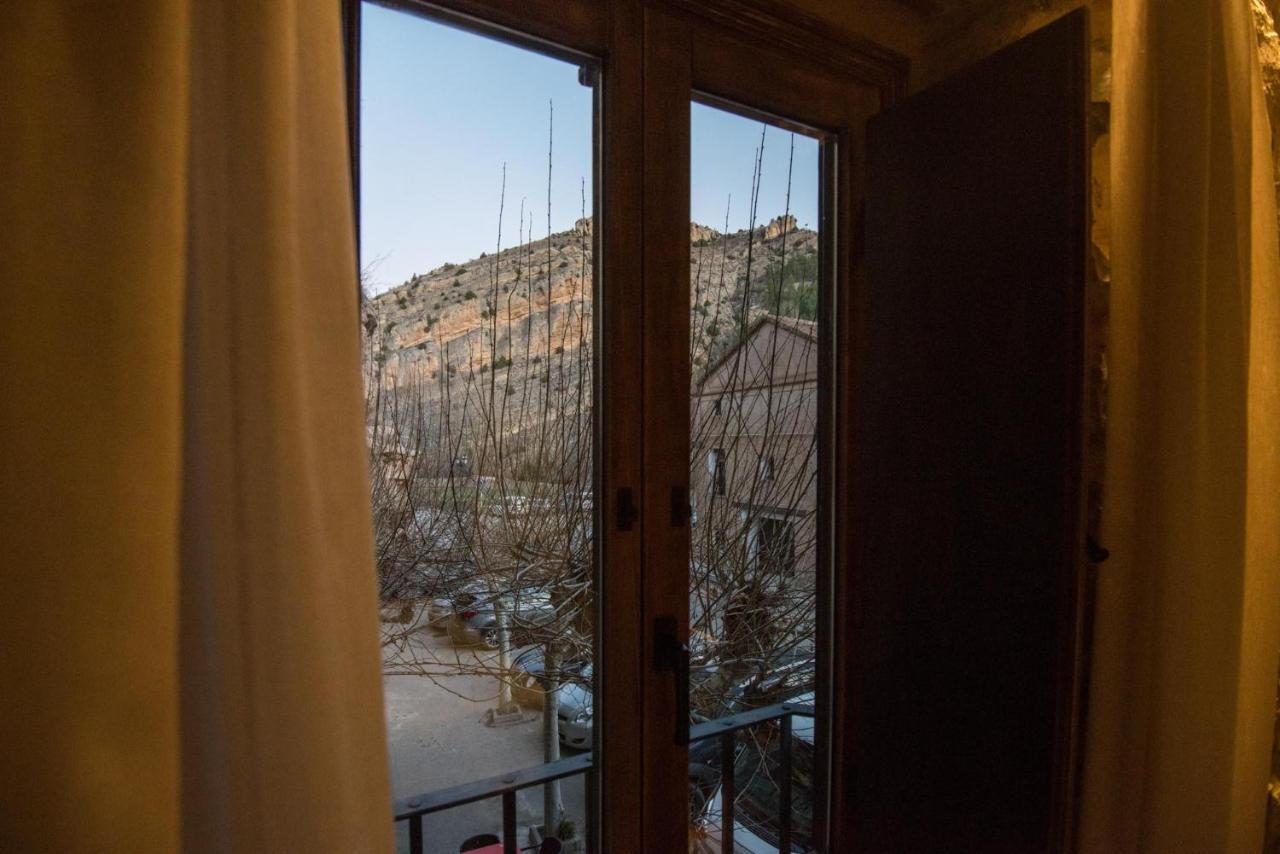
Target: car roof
{"x":802,"y":726}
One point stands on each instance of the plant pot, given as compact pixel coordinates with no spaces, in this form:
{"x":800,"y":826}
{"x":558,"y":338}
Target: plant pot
{"x":567,"y":846}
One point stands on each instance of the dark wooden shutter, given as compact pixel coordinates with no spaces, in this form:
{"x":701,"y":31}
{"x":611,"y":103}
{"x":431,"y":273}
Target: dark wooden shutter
{"x":968,"y":438}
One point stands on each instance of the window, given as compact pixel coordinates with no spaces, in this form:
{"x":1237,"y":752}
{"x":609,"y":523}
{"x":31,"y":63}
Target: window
{"x":775,"y":546}
{"x":482,"y":312}
{"x":739,"y":357}
{"x":716,"y":461}
{"x":478,"y":275}
{"x":753,"y":571}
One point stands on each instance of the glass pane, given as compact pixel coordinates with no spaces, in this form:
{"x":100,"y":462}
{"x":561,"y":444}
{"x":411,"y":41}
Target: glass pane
{"x":476,"y":164}
{"x":753,"y":467}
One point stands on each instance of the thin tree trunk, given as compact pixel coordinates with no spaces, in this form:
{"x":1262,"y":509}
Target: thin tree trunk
{"x":504,"y":658}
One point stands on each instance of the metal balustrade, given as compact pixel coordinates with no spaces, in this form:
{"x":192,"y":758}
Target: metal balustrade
{"x":413,"y":809}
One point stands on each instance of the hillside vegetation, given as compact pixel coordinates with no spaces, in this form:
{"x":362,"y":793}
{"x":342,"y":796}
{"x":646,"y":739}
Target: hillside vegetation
{"x":525,"y":313}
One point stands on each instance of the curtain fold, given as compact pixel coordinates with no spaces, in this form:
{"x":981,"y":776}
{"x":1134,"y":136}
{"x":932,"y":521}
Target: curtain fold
{"x":1188,"y":607}
{"x":190,"y":605}
{"x":283,"y":741}
{"x":91,"y":252}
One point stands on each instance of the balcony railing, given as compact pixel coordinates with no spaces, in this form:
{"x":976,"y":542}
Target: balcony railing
{"x":413,"y":809}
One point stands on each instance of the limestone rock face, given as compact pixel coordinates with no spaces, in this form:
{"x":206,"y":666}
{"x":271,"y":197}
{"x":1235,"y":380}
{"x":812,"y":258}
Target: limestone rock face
{"x":779,"y":226}
{"x":701,"y":233}
{"x":521,"y":318}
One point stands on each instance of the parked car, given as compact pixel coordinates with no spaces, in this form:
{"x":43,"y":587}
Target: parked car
{"x":442,"y":609}
{"x":575,"y":711}
{"x":519,"y":505}
{"x":577,"y":501}
{"x":524,"y":610}
{"x":787,"y":675}
{"x":439,"y":611}
{"x":757,"y":770}
{"x":575,"y":716}
{"x":528,"y":683}
{"x":575,"y":705}
{"x":529,"y":689}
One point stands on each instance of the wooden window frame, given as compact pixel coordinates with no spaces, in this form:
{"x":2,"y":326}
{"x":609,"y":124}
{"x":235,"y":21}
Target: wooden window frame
{"x":753,"y":56}
{"x":748,"y":58}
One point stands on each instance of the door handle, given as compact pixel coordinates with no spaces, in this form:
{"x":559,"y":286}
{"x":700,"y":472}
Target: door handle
{"x":672,"y":654}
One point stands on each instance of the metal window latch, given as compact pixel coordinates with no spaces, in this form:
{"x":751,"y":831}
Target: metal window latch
{"x":627,"y":510}
{"x":679,"y":507}
{"x":672,"y":654}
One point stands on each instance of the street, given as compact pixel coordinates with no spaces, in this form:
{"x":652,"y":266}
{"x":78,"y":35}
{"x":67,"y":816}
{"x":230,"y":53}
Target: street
{"x":437,"y":738}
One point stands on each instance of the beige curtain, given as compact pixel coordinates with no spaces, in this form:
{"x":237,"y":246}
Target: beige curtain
{"x":189,"y":640}
{"x":1188,"y":622}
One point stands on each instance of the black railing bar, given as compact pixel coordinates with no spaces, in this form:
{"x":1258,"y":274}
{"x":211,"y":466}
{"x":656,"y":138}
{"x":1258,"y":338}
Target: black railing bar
{"x":415,"y":835}
{"x":743,"y":720}
{"x":492,"y":787}
{"x":728,"y":790}
{"x":509,"y":844}
{"x":590,"y":783}
{"x":784,"y":789}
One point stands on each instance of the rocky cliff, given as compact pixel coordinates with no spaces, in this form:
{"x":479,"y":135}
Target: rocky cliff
{"x":524,"y":315}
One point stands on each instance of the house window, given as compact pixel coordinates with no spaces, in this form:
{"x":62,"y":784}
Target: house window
{"x":716,"y":461}
{"x":766,"y":467}
{"x":775,"y":546}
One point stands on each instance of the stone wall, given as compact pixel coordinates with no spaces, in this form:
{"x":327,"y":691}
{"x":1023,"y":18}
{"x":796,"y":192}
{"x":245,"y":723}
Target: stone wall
{"x":1264,"y":17}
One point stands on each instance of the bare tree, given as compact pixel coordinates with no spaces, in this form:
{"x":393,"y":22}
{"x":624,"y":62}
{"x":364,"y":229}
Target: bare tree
{"x":480,"y":436}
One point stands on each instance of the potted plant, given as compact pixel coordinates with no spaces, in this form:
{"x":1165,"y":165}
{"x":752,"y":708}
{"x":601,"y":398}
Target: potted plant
{"x":569,"y":836}
{"x":566,"y":832}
